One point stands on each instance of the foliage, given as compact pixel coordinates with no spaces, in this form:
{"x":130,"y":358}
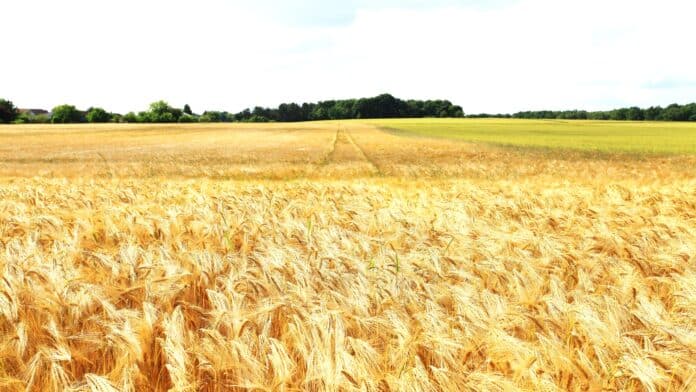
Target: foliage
{"x":98,"y":115}
{"x":65,"y":114}
{"x":673,"y":112}
{"x":187,"y":118}
{"x":130,"y":117}
{"x":26,"y":118}
{"x":381,"y":106}
{"x":8,"y":111}
{"x":161,"y":112}
{"x":215,"y":116}
{"x":187,"y":110}
{"x":290,"y":112}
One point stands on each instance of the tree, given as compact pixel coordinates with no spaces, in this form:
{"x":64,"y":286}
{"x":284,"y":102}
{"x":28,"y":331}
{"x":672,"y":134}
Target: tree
{"x":690,"y":111}
{"x":255,"y":118}
{"x":161,"y":112}
{"x":244,"y":115}
{"x":384,"y":105}
{"x":98,"y":115}
{"x":289,"y":112}
{"x":130,"y":117}
{"x":8,"y":111}
{"x":144,"y":117}
{"x":652,"y":113}
{"x":212,"y":116}
{"x":187,"y":110}
{"x":159,"y":109}
{"x":261,"y":114}
{"x":319,"y":113}
{"x":65,"y":114}
{"x":635,"y":114}
{"x":455,"y":111}
{"x":674,"y":112}
{"x":619,"y":114}
{"x":341,"y":110}
{"x":187,"y":118}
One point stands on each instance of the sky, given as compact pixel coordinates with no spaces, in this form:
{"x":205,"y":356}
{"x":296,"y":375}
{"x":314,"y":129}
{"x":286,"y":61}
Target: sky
{"x":495,"y":56}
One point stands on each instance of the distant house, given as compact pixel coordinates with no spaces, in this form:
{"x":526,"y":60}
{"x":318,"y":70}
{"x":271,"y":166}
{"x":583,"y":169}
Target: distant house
{"x":34,"y":112}
{"x":33,"y":116}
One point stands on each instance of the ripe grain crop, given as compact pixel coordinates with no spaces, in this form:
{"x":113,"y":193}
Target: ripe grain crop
{"x":638,"y":137}
{"x":378,"y":262}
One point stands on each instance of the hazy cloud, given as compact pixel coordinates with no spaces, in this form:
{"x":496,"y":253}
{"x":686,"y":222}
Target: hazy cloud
{"x":310,"y":13}
{"x":230,"y":54}
{"x":670,"y":84}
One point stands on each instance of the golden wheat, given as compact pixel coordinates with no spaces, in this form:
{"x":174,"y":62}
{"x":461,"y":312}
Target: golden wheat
{"x":490,"y":274}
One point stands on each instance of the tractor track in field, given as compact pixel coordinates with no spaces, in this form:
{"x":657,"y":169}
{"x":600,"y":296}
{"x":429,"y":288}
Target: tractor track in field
{"x":362,"y":153}
{"x":330,"y":155}
{"x":345,"y":152}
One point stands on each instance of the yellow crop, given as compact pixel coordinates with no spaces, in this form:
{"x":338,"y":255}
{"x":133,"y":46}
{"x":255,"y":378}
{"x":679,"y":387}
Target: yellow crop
{"x":139,"y":258}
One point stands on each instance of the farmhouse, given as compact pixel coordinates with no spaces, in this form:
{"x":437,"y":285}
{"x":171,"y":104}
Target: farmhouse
{"x":34,"y":112}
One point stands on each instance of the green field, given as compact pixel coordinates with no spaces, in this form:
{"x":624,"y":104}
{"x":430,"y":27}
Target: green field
{"x":601,"y":136}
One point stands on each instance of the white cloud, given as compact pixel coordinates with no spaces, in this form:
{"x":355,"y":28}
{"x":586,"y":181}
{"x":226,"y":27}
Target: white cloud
{"x":217,"y":54}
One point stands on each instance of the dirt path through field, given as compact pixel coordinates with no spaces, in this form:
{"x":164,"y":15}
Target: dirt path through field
{"x":346,"y":157}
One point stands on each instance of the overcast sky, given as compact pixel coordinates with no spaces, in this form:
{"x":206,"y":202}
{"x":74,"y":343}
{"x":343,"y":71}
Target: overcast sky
{"x":488,"y":56}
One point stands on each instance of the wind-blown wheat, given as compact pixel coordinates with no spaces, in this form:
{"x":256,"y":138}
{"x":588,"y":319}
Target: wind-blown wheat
{"x":432,"y":285}
{"x":382,"y":263}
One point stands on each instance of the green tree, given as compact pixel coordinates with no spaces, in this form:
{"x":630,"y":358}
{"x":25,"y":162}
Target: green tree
{"x":652,"y":113}
{"x":130,"y":117}
{"x":161,"y":112}
{"x":159,"y":108}
{"x":455,"y":111}
{"x":211,"y":116}
{"x":98,"y":115}
{"x":619,"y":114}
{"x":187,"y":110}
{"x":144,"y":117}
{"x":674,"y":112}
{"x":690,"y":112}
{"x":187,"y":118}
{"x":255,"y":118}
{"x":8,"y":111}
{"x":65,"y":114}
{"x":289,"y":112}
{"x":244,"y":115}
{"x":635,"y":114}
{"x":319,"y":113}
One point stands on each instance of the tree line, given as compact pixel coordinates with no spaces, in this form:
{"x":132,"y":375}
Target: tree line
{"x":382,"y":106}
{"x":673,"y":112}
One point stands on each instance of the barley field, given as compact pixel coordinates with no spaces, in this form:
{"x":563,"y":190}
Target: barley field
{"x":642,"y":137}
{"x":340,"y":256}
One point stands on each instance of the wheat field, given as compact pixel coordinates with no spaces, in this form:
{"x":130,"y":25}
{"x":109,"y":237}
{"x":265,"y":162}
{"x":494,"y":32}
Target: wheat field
{"x":339,"y":257}
{"x":638,"y":137}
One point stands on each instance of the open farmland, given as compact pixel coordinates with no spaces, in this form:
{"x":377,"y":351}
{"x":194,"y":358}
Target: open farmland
{"x":589,"y":136}
{"x":340,"y":256}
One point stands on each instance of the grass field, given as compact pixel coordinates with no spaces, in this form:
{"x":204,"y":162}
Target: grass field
{"x":602,"y":136}
{"x":340,"y":257}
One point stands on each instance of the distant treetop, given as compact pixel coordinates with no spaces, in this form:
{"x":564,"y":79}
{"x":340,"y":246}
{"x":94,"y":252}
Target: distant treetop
{"x":8,"y":111}
{"x":381,"y":106}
